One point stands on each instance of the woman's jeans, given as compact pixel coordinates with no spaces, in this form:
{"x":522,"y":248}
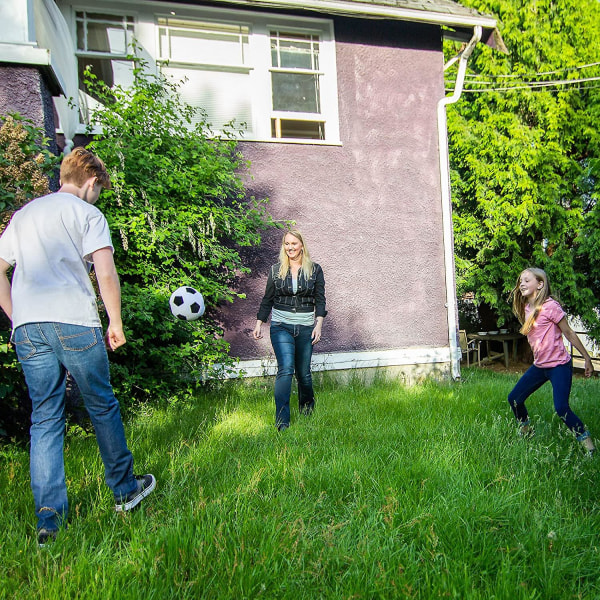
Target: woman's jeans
{"x":46,"y":352}
{"x":560,"y":377}
{"x":293,"y":349}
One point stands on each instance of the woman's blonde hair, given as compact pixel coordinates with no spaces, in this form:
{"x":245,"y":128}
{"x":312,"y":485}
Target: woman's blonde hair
{"x":284,"y":261}
{"x":519,"y":301}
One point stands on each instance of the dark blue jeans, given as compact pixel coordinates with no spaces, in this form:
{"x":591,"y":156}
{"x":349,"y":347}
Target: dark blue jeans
{"x":560,"y":377}
{"x":293,"y":349}
{"x":46,"y":351}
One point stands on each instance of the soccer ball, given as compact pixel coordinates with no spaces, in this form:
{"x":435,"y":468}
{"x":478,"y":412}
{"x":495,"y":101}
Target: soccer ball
{"x":187,"y":303}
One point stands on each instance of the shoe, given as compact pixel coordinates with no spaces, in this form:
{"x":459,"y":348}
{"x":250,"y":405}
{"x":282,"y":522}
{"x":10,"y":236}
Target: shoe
{"x":145,"y":486}
{"x":46,"y":536}
{"x":526,"y":431}
{"x":282,"y":427}
{"x":588,"y":445}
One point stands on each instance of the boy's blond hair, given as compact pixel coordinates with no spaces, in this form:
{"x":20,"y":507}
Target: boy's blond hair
{"x":81,"y":164}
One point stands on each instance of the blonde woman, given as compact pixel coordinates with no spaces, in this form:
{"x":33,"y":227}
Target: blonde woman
{"x":295,"y":294}
{"x":544,"y":322}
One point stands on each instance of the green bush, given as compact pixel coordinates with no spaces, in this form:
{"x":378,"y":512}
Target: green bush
{"x":25,"y":165}
{"x":179,"y":213}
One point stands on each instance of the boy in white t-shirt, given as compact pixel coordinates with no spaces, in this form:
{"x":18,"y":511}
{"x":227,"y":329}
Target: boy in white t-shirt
{"x":52,"y":242}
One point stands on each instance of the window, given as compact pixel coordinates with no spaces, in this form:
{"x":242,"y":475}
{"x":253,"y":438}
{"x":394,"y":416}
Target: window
{"x":296,"y":96}
{"x":274,"y":77}
{"x":213,"y":60}
{"x":102,"y":43}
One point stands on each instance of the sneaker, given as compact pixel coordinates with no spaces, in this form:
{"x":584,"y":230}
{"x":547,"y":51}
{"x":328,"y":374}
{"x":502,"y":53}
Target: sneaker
{"x":526,"y":431}
{"x":282,"y":427}
{"x":46,"y":536}
{"x":588,"y":445}
{"x":145,"y":486}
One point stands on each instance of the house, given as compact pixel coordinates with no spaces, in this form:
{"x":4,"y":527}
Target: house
{"x":344,"y":109}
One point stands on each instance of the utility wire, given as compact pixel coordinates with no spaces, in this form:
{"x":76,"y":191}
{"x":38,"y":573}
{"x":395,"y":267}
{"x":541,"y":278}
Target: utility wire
{"x":534,"y":84}
{"x":538,"y":74}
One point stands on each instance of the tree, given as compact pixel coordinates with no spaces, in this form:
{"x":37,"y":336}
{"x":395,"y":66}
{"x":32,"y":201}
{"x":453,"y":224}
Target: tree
{"x":524,"y":157}
{"x":179,"y":213}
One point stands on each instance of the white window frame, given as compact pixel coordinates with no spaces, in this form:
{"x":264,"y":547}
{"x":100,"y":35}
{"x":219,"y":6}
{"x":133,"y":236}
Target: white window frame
{"x":279,"y":115}
{"x":146,"y":32}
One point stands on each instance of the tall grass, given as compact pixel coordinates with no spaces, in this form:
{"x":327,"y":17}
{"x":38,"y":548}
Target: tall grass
{"x":384,"y":492}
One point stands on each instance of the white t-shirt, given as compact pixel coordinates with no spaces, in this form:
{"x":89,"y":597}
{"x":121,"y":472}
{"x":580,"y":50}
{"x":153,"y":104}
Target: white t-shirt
{"x":50,"y":242}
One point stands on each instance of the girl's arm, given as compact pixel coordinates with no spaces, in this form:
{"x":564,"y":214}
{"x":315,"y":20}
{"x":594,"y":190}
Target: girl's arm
{"x":574,"y":339}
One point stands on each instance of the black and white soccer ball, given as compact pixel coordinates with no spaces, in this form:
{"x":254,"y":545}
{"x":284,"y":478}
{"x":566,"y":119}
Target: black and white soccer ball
{"x":187,"y":303}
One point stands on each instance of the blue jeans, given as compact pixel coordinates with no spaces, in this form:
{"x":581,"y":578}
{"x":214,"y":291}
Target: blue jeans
{"x":293,"y":349}
{"x":560,"y":377}
{"x":46,"y":352}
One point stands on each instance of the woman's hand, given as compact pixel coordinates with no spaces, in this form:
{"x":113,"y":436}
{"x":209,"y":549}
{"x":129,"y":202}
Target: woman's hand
{"x":316,"y":332}
{"x":257,"y":333}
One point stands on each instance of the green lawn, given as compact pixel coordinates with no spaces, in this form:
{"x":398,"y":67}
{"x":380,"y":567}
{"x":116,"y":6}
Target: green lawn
{"x":385,"y":492}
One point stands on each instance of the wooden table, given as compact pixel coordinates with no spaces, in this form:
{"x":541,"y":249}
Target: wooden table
{"x":503,"y":338}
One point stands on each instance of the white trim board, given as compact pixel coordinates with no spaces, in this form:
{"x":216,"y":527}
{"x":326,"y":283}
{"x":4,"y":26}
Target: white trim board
{"x":333,"y":361}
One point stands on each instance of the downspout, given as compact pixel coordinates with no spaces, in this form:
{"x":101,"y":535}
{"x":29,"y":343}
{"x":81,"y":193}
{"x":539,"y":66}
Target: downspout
{"x":448,"y":234}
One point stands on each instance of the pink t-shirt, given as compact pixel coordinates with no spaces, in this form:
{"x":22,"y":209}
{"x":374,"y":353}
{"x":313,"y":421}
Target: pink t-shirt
{"x":545,"y":337}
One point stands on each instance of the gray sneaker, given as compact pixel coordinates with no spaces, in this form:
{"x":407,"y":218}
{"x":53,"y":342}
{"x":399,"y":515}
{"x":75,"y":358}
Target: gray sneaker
{"x":145,"y":486}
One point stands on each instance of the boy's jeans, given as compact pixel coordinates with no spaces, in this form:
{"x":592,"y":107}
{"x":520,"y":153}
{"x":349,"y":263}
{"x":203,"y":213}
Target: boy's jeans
{"x":46,"y":352}
{"x":292,"y":345}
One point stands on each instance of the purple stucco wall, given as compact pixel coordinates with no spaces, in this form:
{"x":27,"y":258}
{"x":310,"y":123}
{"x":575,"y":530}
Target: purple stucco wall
{"x":23,"y":89}
{"x":370,"y":209}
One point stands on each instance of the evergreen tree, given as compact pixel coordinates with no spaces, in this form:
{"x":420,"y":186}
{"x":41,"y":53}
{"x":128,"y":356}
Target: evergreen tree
{"x":525,"y":152}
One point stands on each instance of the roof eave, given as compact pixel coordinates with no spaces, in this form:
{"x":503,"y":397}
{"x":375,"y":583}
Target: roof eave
{"x":374,"y":11}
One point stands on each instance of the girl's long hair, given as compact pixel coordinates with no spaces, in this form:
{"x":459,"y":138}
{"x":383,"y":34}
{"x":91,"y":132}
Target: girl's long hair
{"x":284,"y":261}
{"x":519,"y":302}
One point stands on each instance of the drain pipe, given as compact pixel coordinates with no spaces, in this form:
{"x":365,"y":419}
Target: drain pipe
{"x":448,"y":234}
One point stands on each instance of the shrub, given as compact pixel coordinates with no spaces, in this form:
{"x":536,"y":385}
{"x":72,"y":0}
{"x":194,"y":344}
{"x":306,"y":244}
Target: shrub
{"x":25,"y":165}
{"x":179,"y":213}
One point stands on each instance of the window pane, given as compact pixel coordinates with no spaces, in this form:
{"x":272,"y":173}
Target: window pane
{"x":224,"y":96}
{"x":206,"y":43}
{"x":288,"y":128}
{"x":296,"y":92}
{"x":105,"y":18}
{"x":103,"y":33}
{"x":112,"y":72}
{"x":294,"y":51}
{"x":101,"y":38}
{"x":80,"y":35}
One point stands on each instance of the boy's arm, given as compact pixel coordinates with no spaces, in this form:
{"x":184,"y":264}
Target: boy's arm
{"x":5,"y":297}
{"x":574,"y":339}
{"x":110,"y":290}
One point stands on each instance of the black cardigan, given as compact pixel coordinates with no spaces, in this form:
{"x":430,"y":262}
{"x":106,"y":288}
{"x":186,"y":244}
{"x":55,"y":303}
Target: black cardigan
{"x":279,"y":293}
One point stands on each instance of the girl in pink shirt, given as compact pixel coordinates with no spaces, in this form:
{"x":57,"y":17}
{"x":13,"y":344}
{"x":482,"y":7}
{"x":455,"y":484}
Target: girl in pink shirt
{"x":544,"y":323}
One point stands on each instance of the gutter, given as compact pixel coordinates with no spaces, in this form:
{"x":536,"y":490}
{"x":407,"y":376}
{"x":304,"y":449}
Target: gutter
{"x":448,"y":233}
